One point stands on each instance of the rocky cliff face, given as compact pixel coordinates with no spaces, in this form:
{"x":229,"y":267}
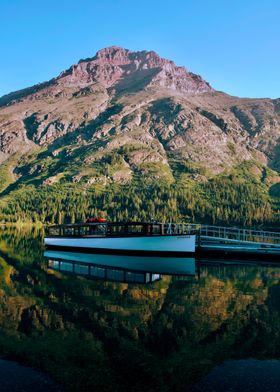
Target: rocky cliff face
{"x":113,"y":66}
{"x":140,"y":107}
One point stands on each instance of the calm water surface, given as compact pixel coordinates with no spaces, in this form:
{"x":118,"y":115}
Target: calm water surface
{"x":138,"y":324}
{"x":18,"y":378}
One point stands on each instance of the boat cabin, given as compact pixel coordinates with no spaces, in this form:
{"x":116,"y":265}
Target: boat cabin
{"x":123,"y":229}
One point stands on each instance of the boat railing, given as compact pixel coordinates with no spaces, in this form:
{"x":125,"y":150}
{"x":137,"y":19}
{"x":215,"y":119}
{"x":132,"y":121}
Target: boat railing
{"x":180,"y":228}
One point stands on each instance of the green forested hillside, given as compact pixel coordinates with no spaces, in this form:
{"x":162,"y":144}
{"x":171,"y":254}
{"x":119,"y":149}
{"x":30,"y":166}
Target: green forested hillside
{"x":242,"y":196}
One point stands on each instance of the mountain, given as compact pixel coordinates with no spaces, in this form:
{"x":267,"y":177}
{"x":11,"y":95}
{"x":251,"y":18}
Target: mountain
{"x":123,"y":121}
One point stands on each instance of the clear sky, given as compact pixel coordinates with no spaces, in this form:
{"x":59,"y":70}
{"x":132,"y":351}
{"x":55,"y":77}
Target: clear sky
{"x":233,"y":44}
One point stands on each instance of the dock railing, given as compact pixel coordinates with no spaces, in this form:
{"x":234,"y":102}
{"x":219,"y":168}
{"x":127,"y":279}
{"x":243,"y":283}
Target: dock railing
{"x":235,"y":234}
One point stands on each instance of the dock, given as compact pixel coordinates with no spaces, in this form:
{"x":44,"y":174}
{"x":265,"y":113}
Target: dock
{"x":231,"y":241}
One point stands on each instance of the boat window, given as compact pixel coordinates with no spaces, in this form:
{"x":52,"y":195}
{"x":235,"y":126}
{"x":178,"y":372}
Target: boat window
{"x":155,"y":277}
{"x":66,"y":266}
{"x":53,"y":264}
{"x":135,"y":277}
{"x":135,"y":229}
{"x":126,"y":229}
{"x":76,"y":230}
{"x":53,"y":230}
{"x":98,"y":230}
{"x":117,"y":230}
{"x":84,"y":230}
{"x":156,"y":229}
{"x":115,"y":274}
{"x":69,"y":231}
{"x":81,"y":269}
{"x":98,"y":272}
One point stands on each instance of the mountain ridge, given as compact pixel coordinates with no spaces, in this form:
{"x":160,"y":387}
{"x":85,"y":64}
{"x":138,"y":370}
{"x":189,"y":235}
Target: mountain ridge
{"x":129,"y":118}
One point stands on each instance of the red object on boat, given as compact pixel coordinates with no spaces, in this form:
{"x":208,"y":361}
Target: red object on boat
{"x":96,"y":220}
{"x":101,"y":220}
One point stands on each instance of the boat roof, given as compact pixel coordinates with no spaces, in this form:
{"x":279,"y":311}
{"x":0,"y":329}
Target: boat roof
{"x":132,"y":223}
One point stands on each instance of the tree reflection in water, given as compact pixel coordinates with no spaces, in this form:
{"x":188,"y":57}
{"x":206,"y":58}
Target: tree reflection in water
{"x":110,"y":336}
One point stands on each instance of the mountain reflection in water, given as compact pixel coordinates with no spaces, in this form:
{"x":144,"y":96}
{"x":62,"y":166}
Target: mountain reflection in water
{"x":167,"y":334}
{"x":244,"y":375}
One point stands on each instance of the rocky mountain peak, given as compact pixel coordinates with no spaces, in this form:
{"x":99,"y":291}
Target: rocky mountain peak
{"x":118,"y":67}
{"x":112,"y":55}
{"x":121,"y":56}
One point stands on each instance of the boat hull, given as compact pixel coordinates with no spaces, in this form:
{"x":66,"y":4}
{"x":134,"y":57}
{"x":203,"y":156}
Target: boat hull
{"x":183,"y":244}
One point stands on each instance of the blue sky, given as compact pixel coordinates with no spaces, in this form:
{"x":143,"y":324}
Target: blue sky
{"x":233,"y":44}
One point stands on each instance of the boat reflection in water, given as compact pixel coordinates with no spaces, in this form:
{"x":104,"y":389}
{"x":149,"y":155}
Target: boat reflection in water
{"x":120,"y":268}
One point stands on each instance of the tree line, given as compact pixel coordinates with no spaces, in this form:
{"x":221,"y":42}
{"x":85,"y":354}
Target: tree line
{"x":219,"y":201}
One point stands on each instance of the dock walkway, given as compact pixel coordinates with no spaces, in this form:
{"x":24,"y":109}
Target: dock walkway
{"x":230,"y":240}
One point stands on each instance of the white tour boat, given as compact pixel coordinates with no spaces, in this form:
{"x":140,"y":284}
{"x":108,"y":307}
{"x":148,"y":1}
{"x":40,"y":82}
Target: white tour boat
{"x":128,"y":237}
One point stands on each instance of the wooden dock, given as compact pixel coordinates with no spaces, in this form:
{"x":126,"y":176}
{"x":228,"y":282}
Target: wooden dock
{"x":231,"y":241}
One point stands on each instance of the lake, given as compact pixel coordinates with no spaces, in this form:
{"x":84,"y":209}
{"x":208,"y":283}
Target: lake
{"x":115,"y":323}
